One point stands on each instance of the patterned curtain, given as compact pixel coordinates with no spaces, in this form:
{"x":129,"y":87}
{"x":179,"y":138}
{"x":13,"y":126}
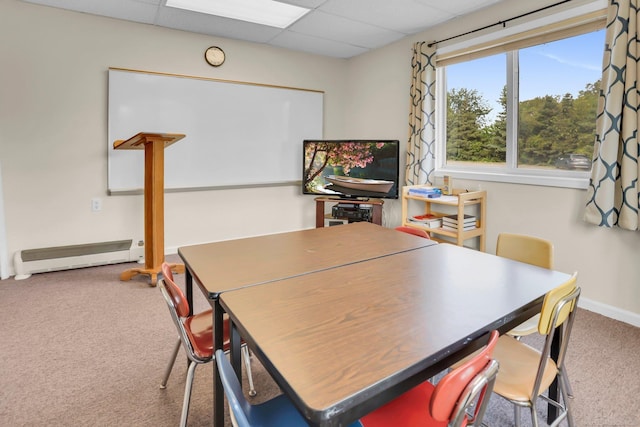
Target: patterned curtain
{"x":422,"y":138}
{"x":613,"y":187}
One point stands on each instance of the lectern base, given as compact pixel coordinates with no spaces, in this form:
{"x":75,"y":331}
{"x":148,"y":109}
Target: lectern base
{"x":152,"y":272}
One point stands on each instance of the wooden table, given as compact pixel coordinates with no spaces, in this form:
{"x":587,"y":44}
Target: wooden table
{"x":343,"y":341}
{"x":224,"y":266}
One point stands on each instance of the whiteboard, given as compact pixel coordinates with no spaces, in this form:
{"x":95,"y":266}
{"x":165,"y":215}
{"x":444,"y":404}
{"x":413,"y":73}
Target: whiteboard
{"x":237,"y":134}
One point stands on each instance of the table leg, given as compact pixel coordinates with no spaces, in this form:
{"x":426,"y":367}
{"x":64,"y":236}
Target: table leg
{"x":235,"y":353}
{"x":188,"y":284}
{"x":552,"y":411}
{"x":218,"y":392}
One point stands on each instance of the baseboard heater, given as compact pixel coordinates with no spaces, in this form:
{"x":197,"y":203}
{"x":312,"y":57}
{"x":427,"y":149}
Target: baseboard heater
{"x":30,"y":261}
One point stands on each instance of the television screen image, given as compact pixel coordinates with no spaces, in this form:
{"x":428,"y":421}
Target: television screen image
{"x":351,"y":168}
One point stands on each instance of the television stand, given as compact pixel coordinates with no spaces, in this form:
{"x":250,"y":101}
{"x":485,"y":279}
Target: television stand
{"x":375,"y":204}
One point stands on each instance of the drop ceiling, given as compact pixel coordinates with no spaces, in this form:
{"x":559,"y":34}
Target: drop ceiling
{"x":334,"y":28}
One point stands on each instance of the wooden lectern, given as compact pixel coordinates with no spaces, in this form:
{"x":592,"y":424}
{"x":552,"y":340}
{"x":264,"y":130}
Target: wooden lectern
{"x":153,"y":145}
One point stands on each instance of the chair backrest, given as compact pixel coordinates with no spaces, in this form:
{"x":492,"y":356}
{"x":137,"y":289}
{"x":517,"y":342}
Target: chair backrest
{"x":414,"y":231}
{"x":556,"y":317}
{"x":179,"y":310}
{"x":555,"y":309}
{"x":529,"y":249}
{"x":459,"y":389}
{"x":177,"y":298}
{"x":239,"y":405}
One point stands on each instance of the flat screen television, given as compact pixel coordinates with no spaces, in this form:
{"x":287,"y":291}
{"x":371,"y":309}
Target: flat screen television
{"x":355,"y":169}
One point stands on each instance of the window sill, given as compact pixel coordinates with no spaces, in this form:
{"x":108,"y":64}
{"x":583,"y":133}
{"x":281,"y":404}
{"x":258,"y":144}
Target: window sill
{"x":565,"y":179}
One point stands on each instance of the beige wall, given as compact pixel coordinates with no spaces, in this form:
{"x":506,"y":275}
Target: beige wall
{"x":604,"y":258}
{"x":54,"y":128}
{"x":54,"y":138}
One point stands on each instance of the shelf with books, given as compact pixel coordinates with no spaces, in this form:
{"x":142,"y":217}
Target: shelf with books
{"x":468,"y":208}
{"x":450,"y":222}
{"x":426,"y":220}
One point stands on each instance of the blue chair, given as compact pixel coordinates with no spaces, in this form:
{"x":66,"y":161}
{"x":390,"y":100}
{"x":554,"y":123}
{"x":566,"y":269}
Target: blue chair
{"x":276,"y":412}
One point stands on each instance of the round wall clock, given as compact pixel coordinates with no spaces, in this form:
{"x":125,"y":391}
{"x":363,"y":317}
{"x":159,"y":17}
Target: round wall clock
{"x":214,"y":56}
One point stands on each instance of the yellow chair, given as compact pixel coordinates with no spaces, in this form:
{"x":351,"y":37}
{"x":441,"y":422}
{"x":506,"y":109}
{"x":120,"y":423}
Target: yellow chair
{"x":532,"y":250}
{"x":526,"y":373}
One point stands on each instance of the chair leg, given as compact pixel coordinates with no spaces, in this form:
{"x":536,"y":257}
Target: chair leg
{"x":247,"y":363}
{"x":565,"y":389}
{"x":167,"y":371}
{"x":187,"y":394}
{"x":534,"y":416}
{"x":565,"y":378}
{"x":516,"y":414}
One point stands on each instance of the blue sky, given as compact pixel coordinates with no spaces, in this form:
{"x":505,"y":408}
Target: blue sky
{"x":556,"y":68}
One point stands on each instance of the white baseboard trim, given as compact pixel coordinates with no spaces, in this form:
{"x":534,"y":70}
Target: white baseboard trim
{"x":610,"y":311}
{"x":171,"y":251}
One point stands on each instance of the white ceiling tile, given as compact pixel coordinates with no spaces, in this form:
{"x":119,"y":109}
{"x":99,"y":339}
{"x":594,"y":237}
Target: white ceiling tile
{"x":214,"y":25}
{"x":460,"y":7}
{"x":309,"y":4}
{"x":405,"y":16}
{"x":130,"y":10}
{"x":336,"y":28}
{"x":318,"y":46}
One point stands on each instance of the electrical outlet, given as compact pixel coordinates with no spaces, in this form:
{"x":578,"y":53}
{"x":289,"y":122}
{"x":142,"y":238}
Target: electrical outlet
{"x":96,"y":204}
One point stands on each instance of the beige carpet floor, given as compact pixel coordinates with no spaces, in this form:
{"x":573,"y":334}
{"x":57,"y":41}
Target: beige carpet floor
{"x":82,"y":348}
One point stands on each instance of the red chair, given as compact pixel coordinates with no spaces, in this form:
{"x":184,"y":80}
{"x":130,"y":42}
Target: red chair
{"x":195,"y":333}
{"x":449,"y":402}
{"x":414,"y":231}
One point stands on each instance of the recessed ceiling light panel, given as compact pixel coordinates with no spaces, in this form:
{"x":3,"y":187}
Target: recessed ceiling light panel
{"x":265,"y":12}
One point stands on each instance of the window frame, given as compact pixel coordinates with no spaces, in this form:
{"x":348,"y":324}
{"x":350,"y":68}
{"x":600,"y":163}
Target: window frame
{"x":510,"y":41}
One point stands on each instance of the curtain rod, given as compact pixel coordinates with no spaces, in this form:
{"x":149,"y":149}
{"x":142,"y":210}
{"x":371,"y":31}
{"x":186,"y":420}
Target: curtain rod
{"x":503,"y":23}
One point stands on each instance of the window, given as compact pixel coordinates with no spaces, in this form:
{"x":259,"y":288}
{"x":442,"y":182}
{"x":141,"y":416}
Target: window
{"x":526,"y":114}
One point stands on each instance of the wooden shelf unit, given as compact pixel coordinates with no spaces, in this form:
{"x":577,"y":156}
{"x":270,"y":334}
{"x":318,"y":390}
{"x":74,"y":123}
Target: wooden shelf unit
{"x":460,"y":203}
{"x":376,"y":208}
